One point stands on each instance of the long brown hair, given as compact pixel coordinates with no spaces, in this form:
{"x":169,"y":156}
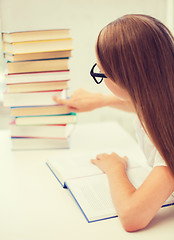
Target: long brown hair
{"x":137,"y":52}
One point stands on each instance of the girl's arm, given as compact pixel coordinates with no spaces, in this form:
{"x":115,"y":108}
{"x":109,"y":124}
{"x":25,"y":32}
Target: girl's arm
{"x":135,"y":208}
{"x":83,"y":101}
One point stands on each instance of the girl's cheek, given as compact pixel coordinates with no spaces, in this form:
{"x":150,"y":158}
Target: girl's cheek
{"x":116,"y":90}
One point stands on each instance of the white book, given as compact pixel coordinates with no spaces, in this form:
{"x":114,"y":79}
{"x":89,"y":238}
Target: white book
{"x":89,"y":186}
{"x":32,"y":98}
{"x":37,"y":77}
{"x":42,"y":131}
{"x":37,"y":87}
{"x":39,"y":143}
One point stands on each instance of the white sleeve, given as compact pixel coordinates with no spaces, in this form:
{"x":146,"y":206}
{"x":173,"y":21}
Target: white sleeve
{"x":152,"y":155}
{"x":158,"y":161}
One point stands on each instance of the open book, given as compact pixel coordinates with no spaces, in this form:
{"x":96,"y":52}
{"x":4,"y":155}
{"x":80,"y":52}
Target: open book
{"x":89,"y":185}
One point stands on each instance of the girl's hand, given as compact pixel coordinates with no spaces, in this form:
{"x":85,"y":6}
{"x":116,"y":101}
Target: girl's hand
{"x":82,"y":101}
{"x":110,"y":163}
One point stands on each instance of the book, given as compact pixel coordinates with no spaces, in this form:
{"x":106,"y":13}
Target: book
{"x":32,"y":98}
{"x":37,"y":77}
{"x":37,"y":66}
{"x":43,"y":120}
{"x":89,"y":186}
{"x":38,"y":46}
{"x":35,"y":35}
{"x":39,"y":110}
{"x":36,"y":56}
{"x":19,"y":143}
{"x":36,"y":69}
{"x":37,"y":86}
{"x":42,"y":131}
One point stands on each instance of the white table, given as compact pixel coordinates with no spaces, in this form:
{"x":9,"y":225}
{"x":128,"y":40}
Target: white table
{"x":33,"y":205}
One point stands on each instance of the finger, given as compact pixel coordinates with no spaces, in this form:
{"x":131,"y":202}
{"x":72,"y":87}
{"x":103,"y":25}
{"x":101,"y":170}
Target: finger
{"x":113,"y":153}
{"x":61,"y":101}
{"x":57,"y":100}
{"x":73,"y":109}
{"x":94,"y":161}
{"x":99,"y":156}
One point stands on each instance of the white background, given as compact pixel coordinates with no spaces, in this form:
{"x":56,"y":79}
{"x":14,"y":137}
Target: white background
{"x":85,"y":18}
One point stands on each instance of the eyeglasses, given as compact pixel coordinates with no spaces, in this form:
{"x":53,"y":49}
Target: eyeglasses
{"x":96,"y":74}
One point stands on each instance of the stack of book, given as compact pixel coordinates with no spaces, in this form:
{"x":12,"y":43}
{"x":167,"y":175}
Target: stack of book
{"x":36,"y":70}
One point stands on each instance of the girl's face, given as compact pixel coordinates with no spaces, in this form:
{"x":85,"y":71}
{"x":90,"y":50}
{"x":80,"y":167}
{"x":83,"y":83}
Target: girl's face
{"x":115,"y":88}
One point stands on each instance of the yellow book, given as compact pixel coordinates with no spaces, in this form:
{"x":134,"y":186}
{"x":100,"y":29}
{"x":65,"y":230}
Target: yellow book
{"x":39,"y":110}
{"x":36,"y":56}
{"x":35,"y":35}
{"x":38,"y":46}
{"x":37,"y":66}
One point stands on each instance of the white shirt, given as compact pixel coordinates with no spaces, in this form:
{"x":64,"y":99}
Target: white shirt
{"x":153,"y":157}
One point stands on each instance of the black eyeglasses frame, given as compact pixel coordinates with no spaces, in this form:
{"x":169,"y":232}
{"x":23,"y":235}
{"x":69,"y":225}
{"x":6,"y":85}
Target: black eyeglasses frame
{"x":95,"y":75}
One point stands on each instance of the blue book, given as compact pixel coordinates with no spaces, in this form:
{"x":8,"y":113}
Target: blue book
{"x":46,"y":119}
{"x":8,"y":61}
{"x":89,"y":186}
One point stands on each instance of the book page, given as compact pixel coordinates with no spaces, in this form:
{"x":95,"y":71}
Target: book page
{"x":93,"y":197}
{"x":73,"y":166}
{"x":93,"y":193}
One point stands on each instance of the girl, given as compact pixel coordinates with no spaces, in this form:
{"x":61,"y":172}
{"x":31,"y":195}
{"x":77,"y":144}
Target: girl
{"x":135,"y":55}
